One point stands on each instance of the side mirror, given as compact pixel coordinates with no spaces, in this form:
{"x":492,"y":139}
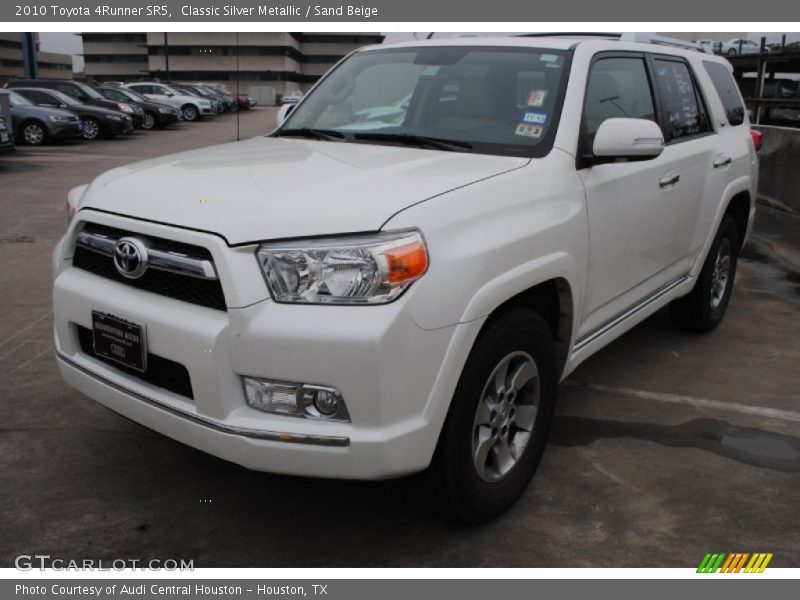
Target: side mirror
{"x":628,"y":138}
{"x":283,"y":113}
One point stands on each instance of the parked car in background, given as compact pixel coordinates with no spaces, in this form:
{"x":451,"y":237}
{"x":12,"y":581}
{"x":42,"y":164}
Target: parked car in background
{"x":6,"y":135}
{"x":97,"y":122}
{"x":192,"y":107}
{"x":228,"y":101}
{"x":84,"y":93}
{"x":245,"y":101}
{"x":216,"y":105}
{"x":292,"y":97}
{"x":739,"y":46}
{"x":36,"y":125}
{"x":156,"y":114}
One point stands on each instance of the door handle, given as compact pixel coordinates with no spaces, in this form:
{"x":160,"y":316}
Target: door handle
{"x":669,"y":179}
{"x":722,"y":161}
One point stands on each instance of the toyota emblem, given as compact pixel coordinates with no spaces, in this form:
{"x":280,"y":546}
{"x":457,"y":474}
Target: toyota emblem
{"x":130,"y":257}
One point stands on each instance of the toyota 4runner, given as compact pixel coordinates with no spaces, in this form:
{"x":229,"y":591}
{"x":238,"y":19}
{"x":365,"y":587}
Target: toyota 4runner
{"x":397,"y":278}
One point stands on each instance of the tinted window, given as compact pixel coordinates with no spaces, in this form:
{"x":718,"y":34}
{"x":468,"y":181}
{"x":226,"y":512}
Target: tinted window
{"x":38,"y":97}
{"x":617,"y":87}
{"x":113,"y":95}
{"x":728,"y":93}
{"x":683,"y":114}
{"x":70,"y":90}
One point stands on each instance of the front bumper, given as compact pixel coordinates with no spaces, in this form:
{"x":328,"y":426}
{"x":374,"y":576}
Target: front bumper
{"x":73,"y":129}
{"x":395,"y":377}
{"x":117,"y":127}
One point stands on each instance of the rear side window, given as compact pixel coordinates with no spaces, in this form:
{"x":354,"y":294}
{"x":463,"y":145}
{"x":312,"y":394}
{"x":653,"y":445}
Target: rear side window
{"x":683,"y":112}
{"x":728,"y":92}
{"x":617,"y":87}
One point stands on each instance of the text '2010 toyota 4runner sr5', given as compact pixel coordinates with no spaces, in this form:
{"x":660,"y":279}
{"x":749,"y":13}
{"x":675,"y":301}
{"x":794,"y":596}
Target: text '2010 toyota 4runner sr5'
{"x":397,"y":278}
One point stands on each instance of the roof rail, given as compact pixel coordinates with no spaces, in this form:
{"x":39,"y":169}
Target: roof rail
{"x":662,"y":40}
{"x":573,"y":34}
{"x":645,"y":38}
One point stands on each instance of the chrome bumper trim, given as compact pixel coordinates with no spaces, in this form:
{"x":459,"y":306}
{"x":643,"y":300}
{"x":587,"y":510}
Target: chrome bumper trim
{"x":629,"y":312}
{"x":271,"y":436}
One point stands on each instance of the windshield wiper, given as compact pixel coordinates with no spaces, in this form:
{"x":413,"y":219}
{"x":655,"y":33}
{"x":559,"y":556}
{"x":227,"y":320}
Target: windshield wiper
{"x":315,"y":134}
{"x":417,"y":140}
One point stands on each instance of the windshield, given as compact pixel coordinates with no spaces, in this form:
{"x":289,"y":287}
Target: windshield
{"x":16,"y":99}
{"x":491,"y":100}
{"x":131,"y":95}
{"x":89,"y":91}
{"x":65,"y":98}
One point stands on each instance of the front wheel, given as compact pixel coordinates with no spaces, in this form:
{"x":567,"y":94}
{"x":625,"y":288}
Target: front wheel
{"x":190,"y":113}
{"x":732,"y":52}
{"x":149,"y":121}
{"x":495,"y":432}
{"x":91,"y":129}
{"x":704,"y":307}
{"x":34,"y":133}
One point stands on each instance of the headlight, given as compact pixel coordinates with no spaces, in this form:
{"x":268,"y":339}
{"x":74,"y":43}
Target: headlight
{"x":165,"y":111}
{"x":126,"y":108}
{"x":114,"y":117}
{"x":372,"y":269}
{"x":59,"y":119}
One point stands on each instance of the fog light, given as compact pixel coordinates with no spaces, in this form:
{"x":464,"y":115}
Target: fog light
{"x":295,"y":399}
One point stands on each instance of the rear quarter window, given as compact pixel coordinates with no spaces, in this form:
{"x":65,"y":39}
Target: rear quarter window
{"x":727,"y":91}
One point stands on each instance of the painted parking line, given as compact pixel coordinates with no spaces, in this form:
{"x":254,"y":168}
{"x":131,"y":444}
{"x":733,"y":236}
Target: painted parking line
{"x":737,"y":407}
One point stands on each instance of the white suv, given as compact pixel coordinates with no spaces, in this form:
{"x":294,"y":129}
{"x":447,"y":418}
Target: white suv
{"x":354,"y":298}
{"x":192,"y":108}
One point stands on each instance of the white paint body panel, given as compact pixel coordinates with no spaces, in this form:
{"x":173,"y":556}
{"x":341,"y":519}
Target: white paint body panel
{"x":494,"y":227}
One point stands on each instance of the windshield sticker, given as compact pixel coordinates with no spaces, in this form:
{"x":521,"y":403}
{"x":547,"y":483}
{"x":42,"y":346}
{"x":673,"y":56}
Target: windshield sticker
{"x":527,"y":130}
{"x":548,"y":58}
{"x":430,"y":70}
{"x":534,"y":117}
{"x":536,"y":97}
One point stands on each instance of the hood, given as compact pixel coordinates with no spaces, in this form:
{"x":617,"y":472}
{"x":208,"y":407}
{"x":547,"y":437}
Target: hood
{"x":270,"y":188}
{"x":93,"y":109}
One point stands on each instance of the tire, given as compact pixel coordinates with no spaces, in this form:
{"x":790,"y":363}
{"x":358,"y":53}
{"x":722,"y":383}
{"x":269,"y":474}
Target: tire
{"x":704,"y":307}
{"x":149,"y":121}
{"x":33,"y":133}
{"x":473,"y":475}
{"x":92,"y":130}
{"x":732,"y":52}
{"x":190,"y":113}
{"x":235,"y":107}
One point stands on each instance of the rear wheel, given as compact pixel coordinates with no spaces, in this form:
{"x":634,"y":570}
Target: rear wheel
{"x":34,"y":133}
{"x":91,"y":129}
{"x":190,"y":113}
{"x":149,"y":121}
{"x":495,"y":432}
{"x":703,"y":309}
{"x":732,"y":52}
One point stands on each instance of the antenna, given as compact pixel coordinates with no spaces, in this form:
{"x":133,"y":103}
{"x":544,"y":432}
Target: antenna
{"x":238,"y":112}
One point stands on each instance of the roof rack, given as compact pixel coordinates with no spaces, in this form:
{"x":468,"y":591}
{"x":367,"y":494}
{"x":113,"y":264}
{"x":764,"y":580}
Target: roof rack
{"x":645,"y":38}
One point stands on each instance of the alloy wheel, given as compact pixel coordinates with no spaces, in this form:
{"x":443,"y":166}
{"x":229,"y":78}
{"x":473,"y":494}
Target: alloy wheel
{"x":33,"y":134}
{"x":189,"y":113}
{"x":720,"y":274}
{"x":91,"y":129}
{"x":149,"y":121}
{"x":505,"y":416}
